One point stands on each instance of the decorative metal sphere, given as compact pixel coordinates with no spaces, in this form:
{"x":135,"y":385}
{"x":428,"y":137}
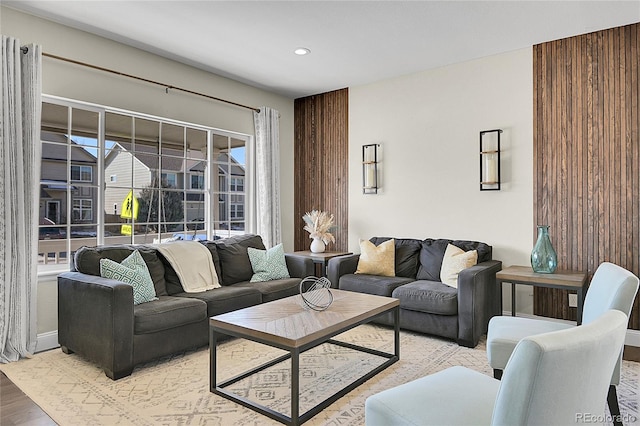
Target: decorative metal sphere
{"x":315,"y":293}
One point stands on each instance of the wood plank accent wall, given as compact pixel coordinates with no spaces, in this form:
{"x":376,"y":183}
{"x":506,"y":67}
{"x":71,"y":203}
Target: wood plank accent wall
{"x":322,"y":163}
{"x":586,"y":155}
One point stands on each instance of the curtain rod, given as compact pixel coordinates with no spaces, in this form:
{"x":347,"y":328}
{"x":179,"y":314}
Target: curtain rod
{"x":166,"y":86}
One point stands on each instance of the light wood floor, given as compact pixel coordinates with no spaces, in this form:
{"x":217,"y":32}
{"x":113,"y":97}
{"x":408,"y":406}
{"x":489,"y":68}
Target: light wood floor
{"x":18,"y":409}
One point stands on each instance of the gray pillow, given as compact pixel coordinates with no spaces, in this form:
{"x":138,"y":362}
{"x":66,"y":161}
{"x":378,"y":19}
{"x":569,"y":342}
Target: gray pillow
{"x":234,"y":258}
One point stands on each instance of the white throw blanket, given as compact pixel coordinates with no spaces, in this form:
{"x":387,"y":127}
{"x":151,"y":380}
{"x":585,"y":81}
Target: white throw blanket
{"x":193,"y":264}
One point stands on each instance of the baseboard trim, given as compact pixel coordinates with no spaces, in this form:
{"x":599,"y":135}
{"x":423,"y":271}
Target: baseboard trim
{"x":632,"y":338}
{"x":47,"y":341}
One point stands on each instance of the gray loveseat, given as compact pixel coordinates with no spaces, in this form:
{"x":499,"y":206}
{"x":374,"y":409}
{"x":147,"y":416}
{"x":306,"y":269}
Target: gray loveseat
{"x":98,"y":320}
{"x":426,"y":304}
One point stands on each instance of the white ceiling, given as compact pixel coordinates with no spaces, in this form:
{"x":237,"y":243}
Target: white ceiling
{"x":352,"y":42}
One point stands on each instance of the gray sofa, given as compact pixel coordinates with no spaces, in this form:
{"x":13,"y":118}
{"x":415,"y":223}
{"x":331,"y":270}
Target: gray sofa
{"x":426,"y":304}
{"x":98,"y":320}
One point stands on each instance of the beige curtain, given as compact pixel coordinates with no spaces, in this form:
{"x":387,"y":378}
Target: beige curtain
{"x":268,"y":226}
{"x":20,"y":152}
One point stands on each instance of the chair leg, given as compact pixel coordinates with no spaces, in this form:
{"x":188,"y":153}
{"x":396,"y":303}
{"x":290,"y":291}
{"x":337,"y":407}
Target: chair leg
{"x":614,"y":408}
{"x":497,"y":374}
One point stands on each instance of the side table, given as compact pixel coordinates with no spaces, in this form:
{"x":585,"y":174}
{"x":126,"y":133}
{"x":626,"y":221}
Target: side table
{"x":320,"y":259}
{"x":564,"y":280}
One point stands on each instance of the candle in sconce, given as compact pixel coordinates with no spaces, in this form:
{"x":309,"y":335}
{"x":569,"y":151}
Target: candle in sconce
{"x":490,"y":168}
{"x":370,"y":183}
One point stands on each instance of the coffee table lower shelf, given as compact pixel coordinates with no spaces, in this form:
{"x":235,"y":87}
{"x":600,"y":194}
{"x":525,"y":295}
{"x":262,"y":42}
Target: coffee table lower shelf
{"x":294,"y":355}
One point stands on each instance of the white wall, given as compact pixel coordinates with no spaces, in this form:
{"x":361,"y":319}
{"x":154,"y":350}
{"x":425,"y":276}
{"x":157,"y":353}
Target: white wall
{"x":428,"y":126}
{"x":80,"y":83}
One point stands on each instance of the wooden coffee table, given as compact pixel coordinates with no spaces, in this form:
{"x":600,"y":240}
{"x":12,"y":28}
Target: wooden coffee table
{"x":287,"y":325}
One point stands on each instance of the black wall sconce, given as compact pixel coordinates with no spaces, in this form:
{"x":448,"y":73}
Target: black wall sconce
{"x":370,"y":169}
{"x":490,"y":160}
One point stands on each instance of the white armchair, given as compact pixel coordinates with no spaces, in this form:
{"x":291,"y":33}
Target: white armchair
{"x":555,"y":378}
{"x":612,"y":287}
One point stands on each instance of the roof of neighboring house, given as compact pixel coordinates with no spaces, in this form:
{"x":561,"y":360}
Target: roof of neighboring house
{"x":171,"y":161}
{"x":58,"y":151}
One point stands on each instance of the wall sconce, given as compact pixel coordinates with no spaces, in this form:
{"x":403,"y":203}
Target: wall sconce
{"x":490,"y":160}
{"x":370,"y":169}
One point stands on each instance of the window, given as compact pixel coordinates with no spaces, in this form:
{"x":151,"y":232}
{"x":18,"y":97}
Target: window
{"x":230,"y":196}
{"x":83,"y":209}
{"x":82,"y":173}
{"x":237,"y":212}
{"x":197,"y":181}
{"x":237,"y":184}
{"x":135,"y":179}
{"x":171,"y":179}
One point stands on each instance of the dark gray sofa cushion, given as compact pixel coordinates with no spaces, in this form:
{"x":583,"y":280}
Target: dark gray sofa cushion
{"x":167,"y":312}
{"x":226,"y":299}
{"x":87,"y":261}
{"x":431,"y":255}
{"x":372,"y":284}
{"x":234,"y":259}
{"x":212,"y":246}
{"x":484,"y":250}
{"x":428,"y":296}
{"x":275,"y":289}
{"x":407,"y":253}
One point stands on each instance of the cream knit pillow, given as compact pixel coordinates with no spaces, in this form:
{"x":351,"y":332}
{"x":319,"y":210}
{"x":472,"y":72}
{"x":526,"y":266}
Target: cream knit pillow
{"x":455,"y":260}
{"x":378,"y":260}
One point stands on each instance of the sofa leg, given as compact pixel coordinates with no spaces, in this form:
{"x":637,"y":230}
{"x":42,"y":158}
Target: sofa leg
{"x":614,"y":408}
{"x":497,"y":374}
{"x":115,"y":375}
{"x":467,"y":343}
{"x":66,"y":350}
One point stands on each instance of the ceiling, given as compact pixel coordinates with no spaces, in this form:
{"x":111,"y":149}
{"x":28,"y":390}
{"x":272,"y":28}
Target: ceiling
{"x":352,"y":42}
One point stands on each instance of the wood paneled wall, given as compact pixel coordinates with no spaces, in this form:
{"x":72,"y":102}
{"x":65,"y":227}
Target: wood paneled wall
{"x":586,"y":155}
{"x":321,"y":163}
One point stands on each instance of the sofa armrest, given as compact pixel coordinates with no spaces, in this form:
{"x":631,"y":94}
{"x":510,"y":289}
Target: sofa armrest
{"x":341,"y":265}
{"x":479,"y":299}
{"x":299,"y":267}
{"x":95,"y":319}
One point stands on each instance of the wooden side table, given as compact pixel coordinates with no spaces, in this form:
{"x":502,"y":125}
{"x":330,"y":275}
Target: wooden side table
{"x":320,"y":259}
{"x":564,"y":280}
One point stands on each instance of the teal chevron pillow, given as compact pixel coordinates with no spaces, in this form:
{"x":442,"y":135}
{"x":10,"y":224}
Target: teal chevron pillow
{"x":133,"y":271}
{"x":268,"y":265}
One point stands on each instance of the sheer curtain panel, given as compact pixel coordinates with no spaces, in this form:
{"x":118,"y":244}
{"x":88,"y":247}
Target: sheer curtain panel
{"x":267,"y":123}
{"x":20,"y":152}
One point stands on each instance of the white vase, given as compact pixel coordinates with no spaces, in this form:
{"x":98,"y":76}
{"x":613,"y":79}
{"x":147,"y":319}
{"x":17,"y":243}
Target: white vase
{"x":317,"y":245}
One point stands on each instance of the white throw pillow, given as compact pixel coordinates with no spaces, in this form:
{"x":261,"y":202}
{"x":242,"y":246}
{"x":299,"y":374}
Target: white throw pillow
{"x":455,"y":260}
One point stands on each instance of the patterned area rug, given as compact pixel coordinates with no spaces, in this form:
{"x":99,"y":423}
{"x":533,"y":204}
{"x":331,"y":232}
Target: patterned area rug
{"x":175,"y":390}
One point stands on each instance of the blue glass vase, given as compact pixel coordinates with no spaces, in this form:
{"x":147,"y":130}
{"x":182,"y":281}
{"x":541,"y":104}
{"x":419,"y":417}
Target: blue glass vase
{"x":543,"y":257}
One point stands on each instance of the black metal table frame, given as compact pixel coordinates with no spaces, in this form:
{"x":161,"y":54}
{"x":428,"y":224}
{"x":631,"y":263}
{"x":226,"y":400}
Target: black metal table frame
{"x":581,"y":292}
{"x":294,"y":354}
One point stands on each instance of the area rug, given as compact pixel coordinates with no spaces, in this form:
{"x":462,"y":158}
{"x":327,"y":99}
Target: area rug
{"x":175,"y":390}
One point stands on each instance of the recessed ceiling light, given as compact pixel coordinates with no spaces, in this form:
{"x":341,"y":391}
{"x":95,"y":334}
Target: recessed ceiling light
{"x":302,"y":51}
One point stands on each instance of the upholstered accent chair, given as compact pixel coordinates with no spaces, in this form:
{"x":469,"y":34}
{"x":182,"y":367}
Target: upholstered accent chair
{"x":551,"y":379}
{"x":612,"y":287}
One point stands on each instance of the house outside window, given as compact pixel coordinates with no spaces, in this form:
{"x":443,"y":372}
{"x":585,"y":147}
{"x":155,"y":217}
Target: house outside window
{"x":133,"y":179}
